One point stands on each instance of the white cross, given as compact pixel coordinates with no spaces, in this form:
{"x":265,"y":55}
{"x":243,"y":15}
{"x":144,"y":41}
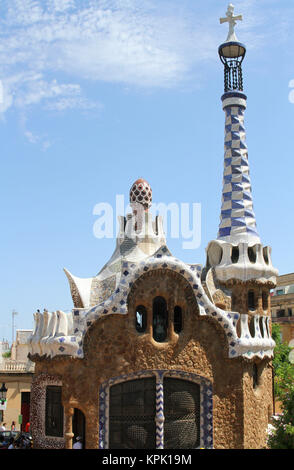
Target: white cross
{"x":232,"y":20}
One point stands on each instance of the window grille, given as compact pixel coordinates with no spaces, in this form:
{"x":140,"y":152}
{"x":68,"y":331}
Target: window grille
{"x":182,"y":414}
{"x":132,"y":414}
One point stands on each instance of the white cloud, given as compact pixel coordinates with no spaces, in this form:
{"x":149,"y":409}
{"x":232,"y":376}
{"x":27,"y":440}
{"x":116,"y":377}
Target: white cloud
{"x":32,"y":137}
{"x":49,"y":47}
{"x":128,"y":42}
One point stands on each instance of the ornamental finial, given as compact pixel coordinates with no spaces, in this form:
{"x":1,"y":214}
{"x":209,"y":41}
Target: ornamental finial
{"x":232,"y":20}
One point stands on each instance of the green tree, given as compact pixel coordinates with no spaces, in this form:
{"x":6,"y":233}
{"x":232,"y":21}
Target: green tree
{"x":282,"y":437}
{"x":283,"y":369}
{"x":6,"y":354}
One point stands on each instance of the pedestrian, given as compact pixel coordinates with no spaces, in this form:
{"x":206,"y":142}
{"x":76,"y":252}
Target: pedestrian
{"x":13,"y":426}
{"x":3,"y":427}
{"x":78,"y":444}
{"x":11,"y":443}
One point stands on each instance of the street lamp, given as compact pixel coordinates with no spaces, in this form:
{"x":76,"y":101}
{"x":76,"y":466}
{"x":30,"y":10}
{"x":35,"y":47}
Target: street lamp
{"x":3,"y":391}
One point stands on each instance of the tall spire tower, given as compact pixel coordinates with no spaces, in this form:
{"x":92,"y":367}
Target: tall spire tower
{"x":237,"y":222}
{"x":237,"y":253}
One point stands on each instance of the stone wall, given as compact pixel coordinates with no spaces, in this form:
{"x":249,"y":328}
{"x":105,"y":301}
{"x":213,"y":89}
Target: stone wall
{"x":113,"y":347}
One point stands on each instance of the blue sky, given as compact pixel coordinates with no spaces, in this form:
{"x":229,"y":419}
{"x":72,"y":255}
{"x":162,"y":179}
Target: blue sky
{"x":98,"y":93}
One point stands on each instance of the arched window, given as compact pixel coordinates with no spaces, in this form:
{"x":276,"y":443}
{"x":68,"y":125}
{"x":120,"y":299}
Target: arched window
{"x":264,"y":300}
{"x":178,"y":319}
{"x":235,"y":254}
{"x":141,"y":319}
{"x":251,"y":300}
{"x":160,"y":319}
{"x":265,"y":254}
{"x":252,"y":254}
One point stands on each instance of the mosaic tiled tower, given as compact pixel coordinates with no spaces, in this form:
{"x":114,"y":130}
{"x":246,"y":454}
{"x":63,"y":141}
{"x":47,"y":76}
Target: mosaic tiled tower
{"x":237,"y":222}
{"x":237,"y":253}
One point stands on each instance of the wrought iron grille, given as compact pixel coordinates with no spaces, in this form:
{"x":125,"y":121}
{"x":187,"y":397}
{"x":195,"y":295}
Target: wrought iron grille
{"x":233,"y":75}
{"x":182,"y":414}
{"x":132,"y":414}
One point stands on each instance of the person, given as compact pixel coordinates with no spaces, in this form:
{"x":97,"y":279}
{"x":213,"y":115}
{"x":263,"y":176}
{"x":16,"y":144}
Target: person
{"x":11,"y":443}
{"x":3,"y":427}
{"x":13,"y":426}
{"x":78,"y":444}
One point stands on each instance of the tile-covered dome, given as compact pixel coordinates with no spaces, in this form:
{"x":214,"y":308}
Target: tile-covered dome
{"x":141,"y":193}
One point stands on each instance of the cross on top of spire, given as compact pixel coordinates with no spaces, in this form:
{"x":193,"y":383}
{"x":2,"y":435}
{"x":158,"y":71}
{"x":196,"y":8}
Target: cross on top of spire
{"x":232,"y":20}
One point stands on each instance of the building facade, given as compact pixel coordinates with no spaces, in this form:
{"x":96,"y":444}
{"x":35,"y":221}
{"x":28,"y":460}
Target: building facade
{"x":157,"y":353}
{"x":17,"y":374}
{"x":282,"y":302}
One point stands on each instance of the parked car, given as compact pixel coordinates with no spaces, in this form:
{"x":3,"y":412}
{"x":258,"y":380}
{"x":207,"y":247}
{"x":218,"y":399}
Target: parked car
{"x":22,"y":440}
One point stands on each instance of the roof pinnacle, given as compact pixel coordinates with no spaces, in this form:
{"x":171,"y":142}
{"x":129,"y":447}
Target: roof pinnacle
{"x":232,"y":20}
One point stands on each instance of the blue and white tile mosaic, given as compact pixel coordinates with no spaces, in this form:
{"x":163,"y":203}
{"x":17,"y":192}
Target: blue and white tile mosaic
{"x":237,"y":216}
{"x":75,"y":325}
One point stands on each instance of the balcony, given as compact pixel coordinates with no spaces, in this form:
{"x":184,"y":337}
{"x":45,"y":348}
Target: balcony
{"x":11,"y":366}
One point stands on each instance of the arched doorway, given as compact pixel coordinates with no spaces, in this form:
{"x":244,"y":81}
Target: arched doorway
{"x":79,"y":425}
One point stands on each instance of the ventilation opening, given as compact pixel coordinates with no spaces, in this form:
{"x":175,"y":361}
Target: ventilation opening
{"x":252,"y":327}
{"x":261,"y":327}
{"x":160,"y":319}
{"x":141,"y":319}
{"x":178,"y":320}
{"x":252,"y":254}
{"x":235,"y":254}
{"x":265,"y":255}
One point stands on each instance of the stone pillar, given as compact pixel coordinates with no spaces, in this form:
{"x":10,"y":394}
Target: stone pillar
{"x":159,"y":418}
{"x":68,"y":411}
